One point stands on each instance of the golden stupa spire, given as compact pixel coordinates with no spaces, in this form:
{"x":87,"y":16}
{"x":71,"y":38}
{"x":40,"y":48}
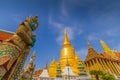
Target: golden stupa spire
{"x":104,"y":46}
{"x":66,"y":40}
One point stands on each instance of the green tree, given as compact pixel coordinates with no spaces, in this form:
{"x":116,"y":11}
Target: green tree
{"x":107,"y":76}
{"x":96,"y":73}
{"x":100,"y":75}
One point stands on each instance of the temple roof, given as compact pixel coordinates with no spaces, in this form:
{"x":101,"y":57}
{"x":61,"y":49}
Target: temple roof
{"x":107,"y":54}
{"x":112,"y":54}
{"x":44,"y":73}
{"x":38,"y":72}
{"x":91,"y":53}
{"x":5,"y":34}
{"x":118,"y":54}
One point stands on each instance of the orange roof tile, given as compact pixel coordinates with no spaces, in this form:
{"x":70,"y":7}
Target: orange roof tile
{"x":118,"y":54}
{"x":38,"y":72}
{"x":5,"y":35}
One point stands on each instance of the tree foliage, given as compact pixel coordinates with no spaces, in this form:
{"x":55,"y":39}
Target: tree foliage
{"x":96,"y":73}
{"x":106,"y":76}
{"x":103,"y":75}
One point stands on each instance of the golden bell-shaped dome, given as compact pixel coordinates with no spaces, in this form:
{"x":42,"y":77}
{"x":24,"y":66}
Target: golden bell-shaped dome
{"x":67,"y":51}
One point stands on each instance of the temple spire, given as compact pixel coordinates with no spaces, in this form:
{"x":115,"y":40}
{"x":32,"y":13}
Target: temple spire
{"x":104,"y":46}
{"x":33,"y":55}
{"x":28,"y":73}
{"x":91,"y":52}
{"x":46,"y":66}
{"x":88,"y":43}
{"x":66,"y":40}
{"x":44,"y":72}
{"x":31,"y":62}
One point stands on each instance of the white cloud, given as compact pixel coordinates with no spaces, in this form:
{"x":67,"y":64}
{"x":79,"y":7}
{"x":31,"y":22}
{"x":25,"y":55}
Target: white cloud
{"x":59,"y":27}
{"x":64,"y":10}
{"x":106,"y":33}
{"x":70,"y":32}
{"x":56,"y":25}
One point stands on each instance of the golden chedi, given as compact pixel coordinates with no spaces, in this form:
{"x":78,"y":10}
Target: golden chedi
{"x":52,"y":68}
{"x":67,"y":56}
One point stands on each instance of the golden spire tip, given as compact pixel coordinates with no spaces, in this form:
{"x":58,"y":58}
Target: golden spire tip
{"x":65,"y":31}
{"x":66,"y":40}
{"x":88,"y":42}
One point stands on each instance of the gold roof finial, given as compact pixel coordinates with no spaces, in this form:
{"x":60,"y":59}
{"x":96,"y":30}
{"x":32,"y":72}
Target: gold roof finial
{"x":33,"y":54}
{"x":108,"y":50}
{"x":66,"y":40}
{"x":53,"y":59}
{"x":104,"y":46}
{"x":65,"y":31}
{"x":89,"y":46}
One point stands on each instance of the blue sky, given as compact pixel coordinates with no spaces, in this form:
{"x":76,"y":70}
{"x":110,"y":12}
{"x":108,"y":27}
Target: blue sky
{"x":91,"y":19}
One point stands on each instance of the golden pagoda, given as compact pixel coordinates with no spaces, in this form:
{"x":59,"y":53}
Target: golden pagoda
{"x":67,"y":56}
{"x":107,"y":61}
{"x":52,"y":68}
